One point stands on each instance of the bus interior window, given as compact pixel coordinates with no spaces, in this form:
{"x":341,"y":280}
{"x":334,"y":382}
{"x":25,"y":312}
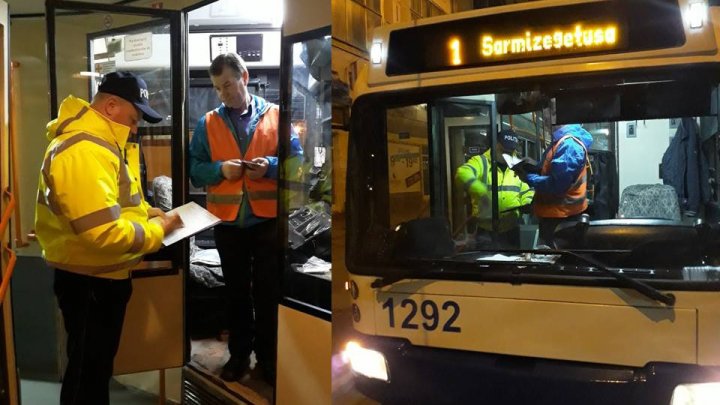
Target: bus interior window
{"x":407,"y":137}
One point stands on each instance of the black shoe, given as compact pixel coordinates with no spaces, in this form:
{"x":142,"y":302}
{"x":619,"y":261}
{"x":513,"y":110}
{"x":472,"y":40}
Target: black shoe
{"x":268,"y":376}
{"x":235,"y":369}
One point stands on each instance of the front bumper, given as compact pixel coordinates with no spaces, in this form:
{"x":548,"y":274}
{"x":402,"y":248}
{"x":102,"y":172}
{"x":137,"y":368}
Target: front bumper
{"x":423,"y":375}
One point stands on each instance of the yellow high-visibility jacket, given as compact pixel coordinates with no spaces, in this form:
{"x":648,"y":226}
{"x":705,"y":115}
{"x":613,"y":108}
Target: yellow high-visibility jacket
{"x":90,"y":216}
{"x":475,"y":178}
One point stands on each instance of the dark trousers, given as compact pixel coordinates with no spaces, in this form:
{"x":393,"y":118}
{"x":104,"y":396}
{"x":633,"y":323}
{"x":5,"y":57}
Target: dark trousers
{"x":250,"y":264}
{"x":93,"y":311}
{"x":547,"y":226}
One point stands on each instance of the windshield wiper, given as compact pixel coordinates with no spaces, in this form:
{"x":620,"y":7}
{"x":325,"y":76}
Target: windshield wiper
{"x":644,"y":289}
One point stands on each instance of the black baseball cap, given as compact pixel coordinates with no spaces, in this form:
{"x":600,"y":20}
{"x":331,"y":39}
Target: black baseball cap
{"x":508,"y":139}
{"x":131,"y":88}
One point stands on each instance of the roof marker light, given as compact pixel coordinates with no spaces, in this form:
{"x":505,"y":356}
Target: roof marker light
{"x":376,"y":53}
{"x":697,"y":13}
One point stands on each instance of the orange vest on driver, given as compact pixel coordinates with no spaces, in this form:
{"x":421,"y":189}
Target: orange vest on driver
{"x":574,"y":200}
{"x":224,"y":198}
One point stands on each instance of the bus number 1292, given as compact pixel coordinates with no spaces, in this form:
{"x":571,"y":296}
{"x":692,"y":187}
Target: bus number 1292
{"x":429,"y":313}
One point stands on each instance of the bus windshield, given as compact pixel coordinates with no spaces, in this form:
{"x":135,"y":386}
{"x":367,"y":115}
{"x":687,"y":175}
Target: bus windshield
{"x":539,"y":175}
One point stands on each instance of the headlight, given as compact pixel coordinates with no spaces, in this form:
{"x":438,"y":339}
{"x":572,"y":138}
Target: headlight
{"x":696,"y":394}
{"x":369,"y":363}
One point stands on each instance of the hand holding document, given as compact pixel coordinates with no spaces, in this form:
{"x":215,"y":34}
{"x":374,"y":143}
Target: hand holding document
{"x":525,"y":164}
{"x":195,"y":219}
{"x":511,"y":160}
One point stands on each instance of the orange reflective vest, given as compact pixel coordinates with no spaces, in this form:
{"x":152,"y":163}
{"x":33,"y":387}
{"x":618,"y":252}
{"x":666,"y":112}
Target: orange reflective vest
{"x":573,"y":201}
{"x":224,"y":198}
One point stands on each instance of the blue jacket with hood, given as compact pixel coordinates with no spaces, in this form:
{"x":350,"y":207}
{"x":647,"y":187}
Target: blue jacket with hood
{"x":567,"y":163}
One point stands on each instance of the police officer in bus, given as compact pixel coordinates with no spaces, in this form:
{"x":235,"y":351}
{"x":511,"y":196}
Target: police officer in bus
{"x":475,"y":177}
{"x":561,"y":185}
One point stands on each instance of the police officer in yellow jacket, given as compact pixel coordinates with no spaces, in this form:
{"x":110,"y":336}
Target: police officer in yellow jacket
{"x":475,"y":177}
{"x":94,"y":225}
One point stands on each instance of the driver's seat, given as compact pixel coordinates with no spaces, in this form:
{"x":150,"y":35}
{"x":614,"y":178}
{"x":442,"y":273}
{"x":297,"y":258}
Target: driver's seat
{"x":649,"y":201}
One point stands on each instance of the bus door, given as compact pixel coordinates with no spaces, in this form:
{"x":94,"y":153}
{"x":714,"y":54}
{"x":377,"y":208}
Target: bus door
{"x":86,"y":41}
{"x":468,"y":127}
{"x":305,"y":206}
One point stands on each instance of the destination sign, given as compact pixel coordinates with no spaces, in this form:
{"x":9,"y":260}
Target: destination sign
{"x":579,"y":39}
{"x":538,"y":34}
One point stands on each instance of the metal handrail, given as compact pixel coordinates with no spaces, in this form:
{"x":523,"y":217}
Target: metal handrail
{"x":7,"y":214}
{"x":20,"y":240}
{"x":8,"y":273}
{"x":12,"y":203}
{"x":8,"y":211}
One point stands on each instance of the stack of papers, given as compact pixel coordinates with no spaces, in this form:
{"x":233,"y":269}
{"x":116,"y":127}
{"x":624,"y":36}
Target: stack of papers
{"x":501,"y":258}
{"x":522,"y":258}
{"x":208,"y":257}
{"x":316,"y":265}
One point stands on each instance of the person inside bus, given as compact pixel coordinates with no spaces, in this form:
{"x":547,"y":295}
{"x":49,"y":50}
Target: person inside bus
{"x":514,"y":195}
{"x":561,"y":185}
{"x":234,"y":153}
{"x":93,"y":225}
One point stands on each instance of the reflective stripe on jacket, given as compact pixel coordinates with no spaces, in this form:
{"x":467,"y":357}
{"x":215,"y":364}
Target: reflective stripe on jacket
{"x":224,"y":198}
{"x":476,"y":179}
{"x":90,"y":215}
{"x":574,"y":200}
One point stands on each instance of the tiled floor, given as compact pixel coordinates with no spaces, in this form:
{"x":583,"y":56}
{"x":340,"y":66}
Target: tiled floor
{"x":48,"y":393}
{"x":208,"y":355}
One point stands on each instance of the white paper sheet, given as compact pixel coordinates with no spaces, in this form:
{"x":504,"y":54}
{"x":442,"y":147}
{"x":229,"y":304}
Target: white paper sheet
{"x":209,"y":257}
{"x":501,"y":258}
{"x":511,"y":160}
{"x":526,"y":258}
{"x":316,"y":265}
{"x":195,"y":219}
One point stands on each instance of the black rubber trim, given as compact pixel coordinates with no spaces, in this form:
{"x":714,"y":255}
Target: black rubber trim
{"x":307,"y":309}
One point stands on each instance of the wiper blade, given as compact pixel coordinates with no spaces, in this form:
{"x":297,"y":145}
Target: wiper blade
{"x":644,"y":289}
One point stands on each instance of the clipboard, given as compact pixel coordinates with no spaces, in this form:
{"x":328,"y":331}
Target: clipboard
{"x":195,"y":220}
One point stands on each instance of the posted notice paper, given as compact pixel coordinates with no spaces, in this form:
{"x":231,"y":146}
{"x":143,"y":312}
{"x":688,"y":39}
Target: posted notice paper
{"x":195,"y":219}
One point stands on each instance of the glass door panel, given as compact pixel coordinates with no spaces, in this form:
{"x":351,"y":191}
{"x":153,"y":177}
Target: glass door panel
{"x":307,"y":192}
